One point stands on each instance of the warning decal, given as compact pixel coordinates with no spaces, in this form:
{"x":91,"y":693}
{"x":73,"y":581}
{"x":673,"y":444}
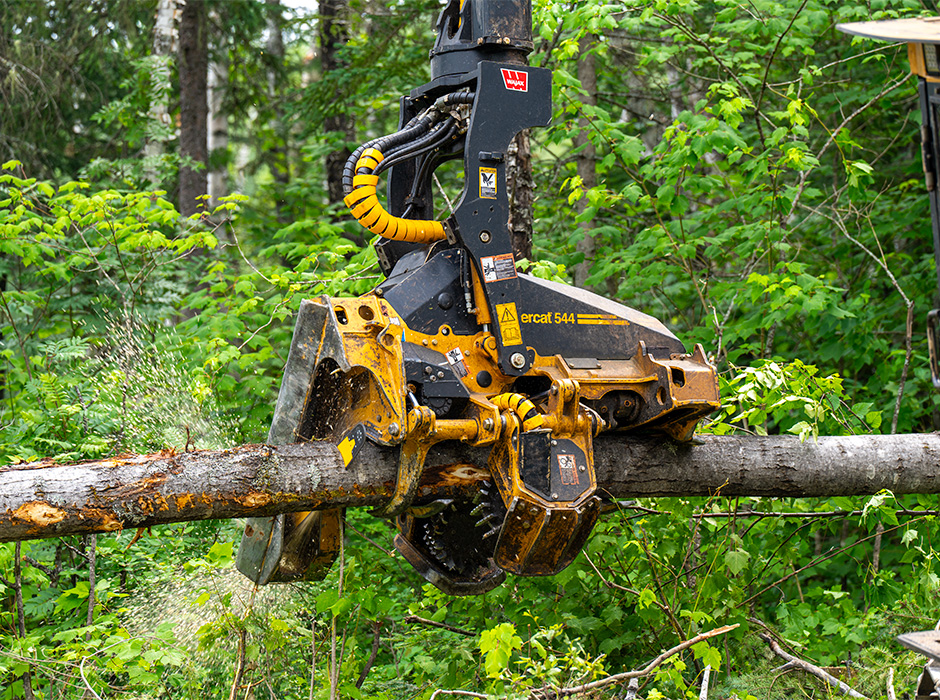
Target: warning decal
{"x":568,"y":469}
{"x":455,"y":358}
{"x":487,"y":183}
{"x":508,"y":319}
{"x":498,"y":267}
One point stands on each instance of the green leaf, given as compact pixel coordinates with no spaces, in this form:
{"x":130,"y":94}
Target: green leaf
{"x":736,"y":560}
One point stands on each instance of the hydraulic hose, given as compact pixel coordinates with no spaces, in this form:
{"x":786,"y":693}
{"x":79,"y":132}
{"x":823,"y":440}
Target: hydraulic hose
{"x":522,"y":407}
{"x":429,"y":130}
{"x":437,"y":137}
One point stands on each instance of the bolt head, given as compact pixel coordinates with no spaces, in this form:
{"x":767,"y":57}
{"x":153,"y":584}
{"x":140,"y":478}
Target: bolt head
{"x":485,"y":236}
{"x":517,"y":360}
{"x":394,"y":429}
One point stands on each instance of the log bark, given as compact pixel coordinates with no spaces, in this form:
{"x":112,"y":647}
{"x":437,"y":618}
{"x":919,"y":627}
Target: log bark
{"x":44,"y":499}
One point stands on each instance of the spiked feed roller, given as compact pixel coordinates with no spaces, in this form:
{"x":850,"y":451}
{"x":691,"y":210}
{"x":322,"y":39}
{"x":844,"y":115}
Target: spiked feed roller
{"x":456,"y":344}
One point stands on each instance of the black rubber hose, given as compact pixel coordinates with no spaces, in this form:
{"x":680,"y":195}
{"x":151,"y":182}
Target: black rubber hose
{"x":420,"y":174}
{"x":432,"y":140}
{"x":414,"y":129}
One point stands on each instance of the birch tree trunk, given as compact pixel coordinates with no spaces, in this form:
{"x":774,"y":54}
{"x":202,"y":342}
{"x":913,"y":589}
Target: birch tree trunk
{"x":164,"y":45}
{"x":47,"y":500}
{"x":218,"y":133}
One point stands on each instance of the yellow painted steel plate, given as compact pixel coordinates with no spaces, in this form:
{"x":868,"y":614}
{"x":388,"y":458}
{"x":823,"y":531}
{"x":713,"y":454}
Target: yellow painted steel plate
{"x":921,"y":30}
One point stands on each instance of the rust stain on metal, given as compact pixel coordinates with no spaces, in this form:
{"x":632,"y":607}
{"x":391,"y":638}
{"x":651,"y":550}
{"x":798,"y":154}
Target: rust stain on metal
{"x":39,"y":513}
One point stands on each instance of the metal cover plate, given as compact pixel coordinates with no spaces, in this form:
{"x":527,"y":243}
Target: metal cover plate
{"x":915,"y":29}
{"x":925,"y":643}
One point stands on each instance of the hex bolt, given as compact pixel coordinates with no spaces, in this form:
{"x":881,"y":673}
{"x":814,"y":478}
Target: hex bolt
{"x":485,"y":236}
{"x":554,"y":442}
{"x":394,"y":429}
{"x":554,"y":496}
{"x":582,"y":468}
{"x":517,"y":360}
{"x":488,"y":424}
{"x":440,"y":375}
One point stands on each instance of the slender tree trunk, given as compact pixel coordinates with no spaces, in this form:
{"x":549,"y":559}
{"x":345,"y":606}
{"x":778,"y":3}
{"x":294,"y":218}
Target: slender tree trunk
{"x":333,"y":34}
{"x":521,"y":187}
{"x":586,"y":156}
{"x":164,"y":40}
{"x":218,"y":133}
{"x":91,"y":552}
{"x":274,"y":46}
{"x":27,"y":677}
{"x":194,"y":108}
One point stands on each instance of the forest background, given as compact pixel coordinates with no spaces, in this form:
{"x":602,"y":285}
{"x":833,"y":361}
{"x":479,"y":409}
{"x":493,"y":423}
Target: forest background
{"x":168,"y":195}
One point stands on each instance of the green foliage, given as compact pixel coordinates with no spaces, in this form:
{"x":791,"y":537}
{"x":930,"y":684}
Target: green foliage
{"x":756,"y":190}
{"x":790,"y":398}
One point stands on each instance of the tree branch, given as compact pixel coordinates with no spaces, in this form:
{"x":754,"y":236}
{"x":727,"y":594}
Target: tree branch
{"x":794,"y":662}
{"x":646,"y":670}
{"x":441,"y":625}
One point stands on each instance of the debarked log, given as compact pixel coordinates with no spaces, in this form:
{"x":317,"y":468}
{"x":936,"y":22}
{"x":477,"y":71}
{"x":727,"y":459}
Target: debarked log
{"x":44,"y":499}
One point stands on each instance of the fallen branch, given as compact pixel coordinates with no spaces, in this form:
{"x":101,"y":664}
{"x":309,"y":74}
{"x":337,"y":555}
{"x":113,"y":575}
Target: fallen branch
{"x":465,"y":693}
{"x":645,"y":671}
{"x":431,"y":623}
{"x":45,"y":499}
{"x":795,"y":663}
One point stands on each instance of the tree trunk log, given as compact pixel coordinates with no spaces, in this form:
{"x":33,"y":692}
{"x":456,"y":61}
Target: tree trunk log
{"x":333,"y":34}
{"x":585,"y":158}
{"x":44,"y":499}
{"x":194,"y":105}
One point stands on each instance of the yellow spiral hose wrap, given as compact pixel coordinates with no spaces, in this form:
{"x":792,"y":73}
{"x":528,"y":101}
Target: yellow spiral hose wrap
{"x":364,"y":204}
{"x":522,"y":407}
